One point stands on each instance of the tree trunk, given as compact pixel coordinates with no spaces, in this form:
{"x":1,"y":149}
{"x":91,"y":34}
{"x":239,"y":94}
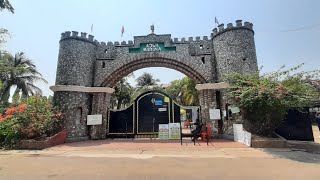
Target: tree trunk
{"x":5,"y":95}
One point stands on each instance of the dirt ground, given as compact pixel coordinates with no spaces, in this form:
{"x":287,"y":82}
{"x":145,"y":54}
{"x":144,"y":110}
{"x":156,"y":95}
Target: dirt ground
{"x":152,"y":159}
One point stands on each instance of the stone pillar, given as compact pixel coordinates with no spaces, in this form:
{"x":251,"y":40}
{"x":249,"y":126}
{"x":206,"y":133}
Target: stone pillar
{"x":100,"y":105}
{"x":220,"y":105}
{"x":207,"y":101}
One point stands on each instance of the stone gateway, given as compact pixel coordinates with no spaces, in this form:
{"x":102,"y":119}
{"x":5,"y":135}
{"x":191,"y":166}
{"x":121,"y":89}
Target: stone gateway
{"x":88,"y":70}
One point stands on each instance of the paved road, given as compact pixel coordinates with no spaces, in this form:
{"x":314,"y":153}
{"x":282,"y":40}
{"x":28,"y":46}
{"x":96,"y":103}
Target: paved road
{"x":157,"y":161}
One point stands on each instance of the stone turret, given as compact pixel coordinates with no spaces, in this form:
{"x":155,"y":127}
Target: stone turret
{"x":76,"y":59}
{"x":75,"y":68}
{"x":234,"y":48}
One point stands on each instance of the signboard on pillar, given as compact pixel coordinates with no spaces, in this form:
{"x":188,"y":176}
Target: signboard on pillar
{"x":94,"y":119}
{"x":174,"y":131}
{"x":214,"y":114}
{"x":163,"y":131}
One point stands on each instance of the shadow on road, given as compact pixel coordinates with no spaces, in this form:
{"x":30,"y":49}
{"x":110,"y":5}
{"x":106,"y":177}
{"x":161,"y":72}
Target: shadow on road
{"x":295,"y":155}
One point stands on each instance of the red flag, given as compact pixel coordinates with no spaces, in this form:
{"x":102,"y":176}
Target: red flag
{"x":122,"y":31}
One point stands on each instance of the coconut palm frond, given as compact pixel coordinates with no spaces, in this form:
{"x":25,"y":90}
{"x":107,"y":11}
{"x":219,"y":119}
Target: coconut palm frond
{"x":21,"y":72}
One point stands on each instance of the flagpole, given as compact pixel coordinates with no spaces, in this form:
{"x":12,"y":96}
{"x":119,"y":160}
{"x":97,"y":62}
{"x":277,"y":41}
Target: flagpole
{"x":216,"y":21}
{"x":122,"y":32}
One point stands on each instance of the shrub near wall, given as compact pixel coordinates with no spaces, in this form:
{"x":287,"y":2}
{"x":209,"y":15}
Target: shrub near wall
{"x":265,"y":99}
{"x":35,"y":119}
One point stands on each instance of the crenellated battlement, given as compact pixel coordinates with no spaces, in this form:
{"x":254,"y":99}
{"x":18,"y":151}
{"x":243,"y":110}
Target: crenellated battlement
{"x":238,"y":25}
{"x":75,"y":35}
{"x":117,"y":43}
{"x":190,"y":39}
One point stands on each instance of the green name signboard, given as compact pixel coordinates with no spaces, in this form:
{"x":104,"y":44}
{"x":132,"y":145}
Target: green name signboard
{"x":151,"y":47}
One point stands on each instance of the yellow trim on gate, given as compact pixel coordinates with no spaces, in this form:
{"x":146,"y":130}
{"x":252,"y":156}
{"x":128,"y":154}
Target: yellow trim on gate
{"x":172,"y":109}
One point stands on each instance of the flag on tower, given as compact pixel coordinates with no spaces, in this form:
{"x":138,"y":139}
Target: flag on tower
{"x":216,"y":21}
{"x":122,"y":31}
{"x":91,"y":28}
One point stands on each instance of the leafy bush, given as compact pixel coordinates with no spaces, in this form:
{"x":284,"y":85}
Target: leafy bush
{"x":265,"y":99}
{"x":34,"y":119}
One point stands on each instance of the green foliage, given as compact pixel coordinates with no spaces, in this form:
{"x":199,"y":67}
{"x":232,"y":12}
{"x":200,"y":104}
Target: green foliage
{"x":16,"y":98}
{"x":146,"y":79}
{"x":266,"y":99}
{"x":122,"y":94}
{"x":8,"y":135}
{"x":18,"y":71}
{"x":184,"y":92}
{"x":4,"y":34}
{"x":141,"y":90}
{"x":35,"y":118}
{"x":5,"y":5}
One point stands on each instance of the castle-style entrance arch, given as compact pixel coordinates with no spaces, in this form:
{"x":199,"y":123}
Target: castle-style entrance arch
{"x":87,"y":69}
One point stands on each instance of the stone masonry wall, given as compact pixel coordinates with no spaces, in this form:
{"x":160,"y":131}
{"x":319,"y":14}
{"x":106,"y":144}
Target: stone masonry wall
{"x":75,"y":61}
{"x":188,"y":56}
{"x":69,"y":102}
{"x":84,"y":61}
{"x":234,"y":49}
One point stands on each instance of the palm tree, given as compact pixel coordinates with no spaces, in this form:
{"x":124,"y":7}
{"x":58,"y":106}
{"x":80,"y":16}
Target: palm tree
{"x":19,"y":72}
{"x":122,"y":93}
{"x":189,"y":94}
{"x":184,"y":91}
{"x":146,"y":79}
{"x":5,"y":5}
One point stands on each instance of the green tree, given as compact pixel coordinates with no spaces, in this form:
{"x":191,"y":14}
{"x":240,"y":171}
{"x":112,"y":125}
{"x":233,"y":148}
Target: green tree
{"x":5,"y":5}
{"x":189,"y":93}
{"x":4,"y":34}
{"x":137,"y":91}
{"x":16,"y":97}
{"x":122,"y":94}
{"x":19,"y":72}
{"x":265,"y":99}
{"x":174,"y":90}
{"x":184,"y":91}
{"x":146,"y":79}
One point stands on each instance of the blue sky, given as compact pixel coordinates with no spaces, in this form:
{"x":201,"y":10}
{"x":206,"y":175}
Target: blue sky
{"x":37,"y":24}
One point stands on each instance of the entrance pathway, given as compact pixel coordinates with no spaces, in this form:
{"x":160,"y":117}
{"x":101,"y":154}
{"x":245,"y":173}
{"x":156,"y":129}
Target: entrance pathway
{"x":155,"y":159}
{"x":147,"y":148}
{"x":149,"y":145}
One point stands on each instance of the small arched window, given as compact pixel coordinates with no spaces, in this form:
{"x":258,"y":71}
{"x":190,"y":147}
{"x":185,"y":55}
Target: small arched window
{"x":103,"y":65}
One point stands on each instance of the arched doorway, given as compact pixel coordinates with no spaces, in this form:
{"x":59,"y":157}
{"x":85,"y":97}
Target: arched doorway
{"x":87,"y":69}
